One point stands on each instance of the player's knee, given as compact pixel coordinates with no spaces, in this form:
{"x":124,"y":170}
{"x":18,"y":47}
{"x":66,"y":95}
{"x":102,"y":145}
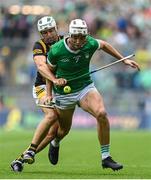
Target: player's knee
{"x":102,"y":115}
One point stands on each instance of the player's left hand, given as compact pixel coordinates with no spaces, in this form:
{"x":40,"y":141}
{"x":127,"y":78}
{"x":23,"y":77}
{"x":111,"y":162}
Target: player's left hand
{"x":132,"y":63}
{"x":45,"y":100}
{"x":48,"y":100}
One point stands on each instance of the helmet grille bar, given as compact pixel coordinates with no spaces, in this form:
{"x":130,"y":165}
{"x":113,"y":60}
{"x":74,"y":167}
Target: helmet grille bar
{"x":78,"y":27}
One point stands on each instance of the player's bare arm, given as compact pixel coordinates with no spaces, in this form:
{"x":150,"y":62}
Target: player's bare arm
{"x":57,"y":81}
{"x":47,"y":72}
{"x":113,"y":52}
{"x":42,"y":67}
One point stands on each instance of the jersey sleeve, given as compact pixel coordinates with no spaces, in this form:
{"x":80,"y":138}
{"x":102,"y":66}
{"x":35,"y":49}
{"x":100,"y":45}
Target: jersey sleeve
{"x":51,"y":59}
{"x":99,"y":44}
{"x":38,"y":49}
{"x":95,"y":44}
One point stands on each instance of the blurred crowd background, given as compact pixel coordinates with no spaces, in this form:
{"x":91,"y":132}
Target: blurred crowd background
{"x":124,"y":24}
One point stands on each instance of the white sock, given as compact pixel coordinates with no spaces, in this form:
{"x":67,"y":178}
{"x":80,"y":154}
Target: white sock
{"x":105,"y":155}
{"x":105,"y":151}
{"x":55,"y":142}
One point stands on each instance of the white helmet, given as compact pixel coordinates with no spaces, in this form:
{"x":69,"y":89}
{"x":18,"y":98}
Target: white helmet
{"x":78,"y":26}
{"x":45,"y":23}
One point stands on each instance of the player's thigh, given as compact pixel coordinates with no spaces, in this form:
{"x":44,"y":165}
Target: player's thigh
{"x":50,"y":114}
{"x":65,"y":118}
{"x":92,"y":102}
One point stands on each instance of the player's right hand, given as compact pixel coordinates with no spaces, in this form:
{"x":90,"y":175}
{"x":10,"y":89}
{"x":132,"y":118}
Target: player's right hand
{"x":60,"y":82}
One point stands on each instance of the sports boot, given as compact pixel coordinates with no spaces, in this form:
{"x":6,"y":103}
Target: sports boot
{"x":29,"y":157}
{"x":17,"y":165}
{"x":53,"y":154}
{"x":110,"y":163}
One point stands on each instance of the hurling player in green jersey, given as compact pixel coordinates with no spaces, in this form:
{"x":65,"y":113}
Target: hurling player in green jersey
{"x":70,"y":58}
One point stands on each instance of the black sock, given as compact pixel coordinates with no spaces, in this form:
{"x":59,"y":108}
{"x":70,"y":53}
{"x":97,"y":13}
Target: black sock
{"x":32,"y":147}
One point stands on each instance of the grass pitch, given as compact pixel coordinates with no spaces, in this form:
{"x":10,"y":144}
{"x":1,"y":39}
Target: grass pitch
{"x":79,"y":156}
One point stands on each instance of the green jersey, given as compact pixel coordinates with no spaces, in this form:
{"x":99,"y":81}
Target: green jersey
{"x":70,"y":64}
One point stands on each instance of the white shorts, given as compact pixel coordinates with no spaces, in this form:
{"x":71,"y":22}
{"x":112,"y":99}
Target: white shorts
{"x":69,"y":101}
{"x":39,"y":92}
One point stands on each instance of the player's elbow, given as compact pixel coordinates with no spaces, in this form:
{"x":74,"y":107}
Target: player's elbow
{"x":106,"y":46}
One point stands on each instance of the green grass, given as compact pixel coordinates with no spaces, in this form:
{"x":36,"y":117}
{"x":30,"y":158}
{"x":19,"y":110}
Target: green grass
{"x":80,"y":156}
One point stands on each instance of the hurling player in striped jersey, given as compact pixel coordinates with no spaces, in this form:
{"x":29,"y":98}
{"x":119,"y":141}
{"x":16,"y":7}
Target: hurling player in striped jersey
{"x":47,"y":128}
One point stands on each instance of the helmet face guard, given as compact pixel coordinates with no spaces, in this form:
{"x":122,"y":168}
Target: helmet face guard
{"x":46,"y":23}
{"x":78,"y":26}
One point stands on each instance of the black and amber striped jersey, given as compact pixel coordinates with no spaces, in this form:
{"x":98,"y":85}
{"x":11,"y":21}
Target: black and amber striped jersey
{"x":41,"y":48}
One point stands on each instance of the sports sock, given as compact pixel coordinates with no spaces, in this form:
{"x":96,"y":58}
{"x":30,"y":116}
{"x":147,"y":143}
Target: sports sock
{"x":55,"y":142}
{"x":105,"y":151}
{"x":32,"y":147}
